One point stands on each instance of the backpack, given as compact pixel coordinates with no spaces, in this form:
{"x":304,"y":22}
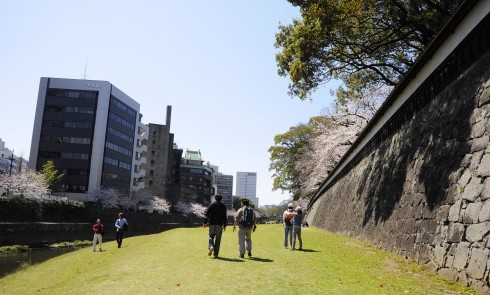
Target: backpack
{"x":247,"y":219}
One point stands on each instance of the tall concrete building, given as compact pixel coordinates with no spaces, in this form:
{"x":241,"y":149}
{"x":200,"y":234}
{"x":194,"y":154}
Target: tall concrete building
{"x":224,"y":187}
{"x":246,"y":186}
{"x":93,"y":133}
{"x":160,"y":158}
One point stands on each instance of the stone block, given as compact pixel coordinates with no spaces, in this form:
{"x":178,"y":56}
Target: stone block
{"x":439,"y":254}
{"x":479,"y":144}
{"x":466,"y":160}
{"x":484,"y":167}
{"x":475,"y":161}
{"x":454,"y":212}
{"x":478,"y":129}
{"x":476,"y":232}
{"x":465,"y":178}
{"x":471,"y":212}
{"x":454,"y":194}
{"x":442,"y":213}
{"x":448,"y":273}
{"x":485,"y":212}
{"x":484,"y":97}
{"x":455,"y":232}
{"x":473,"y":189}
{"x":485,"y":195}
{"x":461,"y":255}
{"x":478,"y":263}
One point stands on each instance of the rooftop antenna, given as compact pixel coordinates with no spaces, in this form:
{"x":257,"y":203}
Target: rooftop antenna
{"x":85,"y":73}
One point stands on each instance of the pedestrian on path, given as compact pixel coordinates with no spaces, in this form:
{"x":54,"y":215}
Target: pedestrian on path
{"x":296,"y":222}
{"x":216,"y":215}
{"x":288,"y":226}
{"x":246,"y":220}
{"x":98,"y":230}
{"x":121,"y":228}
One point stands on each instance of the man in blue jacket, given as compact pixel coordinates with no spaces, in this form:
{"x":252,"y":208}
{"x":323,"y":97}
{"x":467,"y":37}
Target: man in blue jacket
{"x":216,"y":215}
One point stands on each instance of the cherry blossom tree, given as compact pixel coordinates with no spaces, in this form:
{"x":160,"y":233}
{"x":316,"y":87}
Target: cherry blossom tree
{"x":107,"y":197}
{"x":198,"y":210}
{"x":28,"y":184}
{"x":190,"y":208}
{"x":305,"y":155}
{"x":158,"y":204}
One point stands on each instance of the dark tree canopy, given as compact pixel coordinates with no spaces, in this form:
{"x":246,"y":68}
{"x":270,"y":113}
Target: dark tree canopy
{"x":370,"y":41}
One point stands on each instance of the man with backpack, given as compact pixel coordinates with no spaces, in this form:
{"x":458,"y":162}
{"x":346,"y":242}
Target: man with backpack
{"x":287,"y":216}
{"x":216,"y":215}
{"x":245,"y":219}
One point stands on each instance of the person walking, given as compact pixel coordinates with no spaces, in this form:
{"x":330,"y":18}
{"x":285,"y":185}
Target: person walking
{"x":297,"y":221}
{"x":288,"y":226}
{"x":246,"y":220}
{"x":216,"y":215}
{"x":98,"y":230}
{"x":121,"y":228}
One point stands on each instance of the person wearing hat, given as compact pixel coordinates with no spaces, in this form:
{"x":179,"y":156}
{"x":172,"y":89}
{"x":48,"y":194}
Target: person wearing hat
{"x":216,"y":214}
{"x":297,"y":221}
{"x":287,"y":216}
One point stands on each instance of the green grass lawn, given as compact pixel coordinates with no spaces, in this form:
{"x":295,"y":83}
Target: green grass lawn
{"x":176,"y":262}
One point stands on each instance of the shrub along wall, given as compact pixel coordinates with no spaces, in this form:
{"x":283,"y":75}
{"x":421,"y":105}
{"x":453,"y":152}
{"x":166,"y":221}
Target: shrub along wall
{"x":30,"y":221}
{"x":422,"y":188}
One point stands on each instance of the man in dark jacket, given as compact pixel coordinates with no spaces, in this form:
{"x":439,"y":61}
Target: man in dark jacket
{"x":216,"y":216}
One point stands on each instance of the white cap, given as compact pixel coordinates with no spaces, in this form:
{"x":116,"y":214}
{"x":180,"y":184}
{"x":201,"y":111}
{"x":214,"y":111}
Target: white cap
{"x":290,"y":205}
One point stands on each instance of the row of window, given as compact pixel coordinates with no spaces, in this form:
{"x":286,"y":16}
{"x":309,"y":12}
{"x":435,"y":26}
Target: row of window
{"x":115,"y":177}
{"x":60,"y":139}
{"x":64,"y":109}
{"x":117,"y":163}
{"x":72,"y":93}
{"x":120,"y":135}
{"x":117,"y":148}
{"x":58,"y":155}
{"x":121,"y":121}
{"x":67,"y":124}
{"x":77,"y":172}
{"x":116,"y":102}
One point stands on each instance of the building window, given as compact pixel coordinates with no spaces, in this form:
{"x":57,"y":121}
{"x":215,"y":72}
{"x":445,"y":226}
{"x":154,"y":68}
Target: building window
{"x":151,"y":172}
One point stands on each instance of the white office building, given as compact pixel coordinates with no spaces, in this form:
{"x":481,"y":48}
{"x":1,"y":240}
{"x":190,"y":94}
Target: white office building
{"x":246,"y":186}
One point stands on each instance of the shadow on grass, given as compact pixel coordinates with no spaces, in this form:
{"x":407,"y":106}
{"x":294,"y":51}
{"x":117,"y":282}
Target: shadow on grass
{"x":307,"y":250}
{"x":261,"y":259}
{"x":230,"y":259}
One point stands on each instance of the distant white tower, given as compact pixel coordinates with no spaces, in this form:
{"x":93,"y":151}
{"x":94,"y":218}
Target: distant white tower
{"x":246,"y":186}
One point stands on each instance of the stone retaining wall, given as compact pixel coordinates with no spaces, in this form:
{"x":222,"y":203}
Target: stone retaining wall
{"x":422,"y":188}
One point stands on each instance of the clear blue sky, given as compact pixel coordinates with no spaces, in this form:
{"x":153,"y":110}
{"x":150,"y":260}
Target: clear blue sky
{"x":212,"y":61}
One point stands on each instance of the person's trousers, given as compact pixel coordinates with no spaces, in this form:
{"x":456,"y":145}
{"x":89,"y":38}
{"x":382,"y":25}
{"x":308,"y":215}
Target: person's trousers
{"x":97,"y":237}
{"x":244,"y":240}
{"x":119,"y":238}
{"x":288,"y":235}
{"x":297,"y":236}
{"x":215,"y":232}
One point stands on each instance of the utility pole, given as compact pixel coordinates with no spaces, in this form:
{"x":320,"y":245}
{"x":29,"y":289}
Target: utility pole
{"x":11,"y":160}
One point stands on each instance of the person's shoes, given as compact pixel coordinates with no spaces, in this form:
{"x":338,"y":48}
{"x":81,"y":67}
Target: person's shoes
{"x":249,"y":253}
{"x":242,"y":255}
{"x":93,"y":251}
{"x":215,"y":256}
{"x":300,"y":248}
{"x":210,"y":251}
{"x":100,"y":250}
{"x":285,"y":247}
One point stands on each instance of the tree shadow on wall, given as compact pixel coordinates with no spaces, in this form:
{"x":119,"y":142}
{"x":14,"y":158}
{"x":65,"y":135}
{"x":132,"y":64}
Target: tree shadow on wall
{"x":420,"y":158}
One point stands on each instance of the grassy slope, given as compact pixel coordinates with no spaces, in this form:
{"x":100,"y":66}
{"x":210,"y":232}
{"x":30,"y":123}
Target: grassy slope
{"x":176,"y":262}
